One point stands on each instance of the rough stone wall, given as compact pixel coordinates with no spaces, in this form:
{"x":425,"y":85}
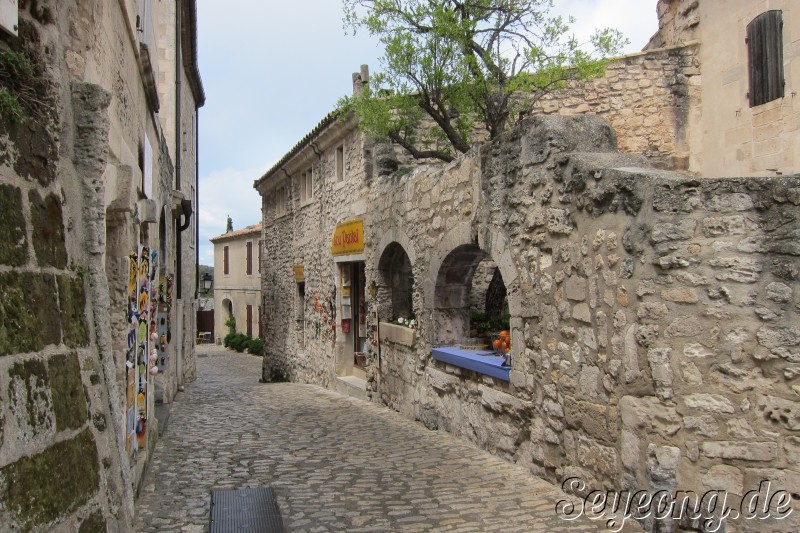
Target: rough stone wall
{"x":60,"y":457}
{"x":653,"y":314}
{"x":307,"y":350}
{"x":649,"y":98}
{"x":678,"y":21}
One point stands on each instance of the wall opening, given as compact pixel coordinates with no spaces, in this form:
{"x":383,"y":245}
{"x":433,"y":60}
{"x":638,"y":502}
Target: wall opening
{"x":395,"y":284}
{"x":455,"y":293}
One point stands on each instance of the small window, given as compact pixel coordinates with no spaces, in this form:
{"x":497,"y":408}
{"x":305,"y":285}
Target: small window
{"x":280,"y":202}
{"x":340,"y":163}
{"x":249,"y":258}
{"x":306,"y":186}
{"x":765,"y":57}
{"x":225,"y":261}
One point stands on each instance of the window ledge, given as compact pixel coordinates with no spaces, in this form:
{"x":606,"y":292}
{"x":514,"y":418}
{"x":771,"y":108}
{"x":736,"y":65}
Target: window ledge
{"x":481,"y":361}
{"x":399,"y":334}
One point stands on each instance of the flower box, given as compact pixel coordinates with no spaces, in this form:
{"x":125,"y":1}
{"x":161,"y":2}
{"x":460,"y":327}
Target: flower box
{"x":398,"y":334}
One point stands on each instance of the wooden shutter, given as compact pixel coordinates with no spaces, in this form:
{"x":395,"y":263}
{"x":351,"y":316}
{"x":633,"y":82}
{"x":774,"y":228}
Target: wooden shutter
{"x":260,"y":330}
{"x":225,"y":260}
{"x":765,"y":57}
{"x":249,"y":320}
{"x":249,"y":258}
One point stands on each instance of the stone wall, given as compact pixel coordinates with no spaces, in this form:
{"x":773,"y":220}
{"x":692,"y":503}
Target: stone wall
{"x":649,"y":98}
{"x":653,"y":314}
{"x":60,"y":409}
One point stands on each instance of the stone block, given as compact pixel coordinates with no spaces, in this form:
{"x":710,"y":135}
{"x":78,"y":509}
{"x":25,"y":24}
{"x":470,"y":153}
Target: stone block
{"x":684,"y":326}
{"x":660,"y":369}
{"x":67,"y":388}
{"x":652,"y":311}
{"x":72,"y":298}
{"x":779,"y":292}
{"x":650,"y":415}
{"x":680,"y":295}
{"x":43,"y":488}
{"x":666,"y":232}
{"x":31,"y":400}
{"x":596,"y":457}
{"x":13,"y":235}
{"x":780,"y":412}
{"x":739,"y":269}
{"x":501,"y":402}
{"x":582,"y":312}
{"x":724,"y":226}
{"x":441,"y":381}
{"x":48,"y":230}
{"x":704,"y":425}
{"x":593,"y":418}
{"x":730,"y":202}
{"x":724,"y":477}
{"x":747,"y":450}
{"x":29,"y":317}
{"x":662,"y":466}
{"x":576,"y":288}
{"x":714,"y":403}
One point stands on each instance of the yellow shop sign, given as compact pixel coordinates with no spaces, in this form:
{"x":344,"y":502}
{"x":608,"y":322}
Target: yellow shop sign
{"x":348,"y":238}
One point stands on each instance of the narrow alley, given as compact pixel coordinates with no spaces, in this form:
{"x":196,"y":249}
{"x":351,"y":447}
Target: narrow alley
{"x":335,"y":463}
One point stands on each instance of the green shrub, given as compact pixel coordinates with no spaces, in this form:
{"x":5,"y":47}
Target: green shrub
{"x":256,"y":346}
{"x":227,"y":340}
{"x":239,"y":341}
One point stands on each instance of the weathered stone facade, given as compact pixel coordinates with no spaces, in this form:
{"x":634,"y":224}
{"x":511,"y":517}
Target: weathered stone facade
{"x":653,"y":314}
{"x":72,"y":188}
{"x":684,"y":101}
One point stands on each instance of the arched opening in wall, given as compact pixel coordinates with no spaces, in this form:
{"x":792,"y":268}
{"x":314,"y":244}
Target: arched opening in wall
{"x":455,"y":292}
{"x":395,"y":284}
{"x":227,"y":314}
{"x":487,"y":299}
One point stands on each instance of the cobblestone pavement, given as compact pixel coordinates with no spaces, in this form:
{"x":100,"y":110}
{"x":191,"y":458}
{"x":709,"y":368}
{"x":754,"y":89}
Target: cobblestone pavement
{"x":335,"y":463}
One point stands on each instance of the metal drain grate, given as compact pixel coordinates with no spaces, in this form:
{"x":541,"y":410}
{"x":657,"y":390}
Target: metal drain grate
{"x":253,"y":510}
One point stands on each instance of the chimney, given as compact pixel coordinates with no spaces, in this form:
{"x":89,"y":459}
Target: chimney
{"x":360,"y":79}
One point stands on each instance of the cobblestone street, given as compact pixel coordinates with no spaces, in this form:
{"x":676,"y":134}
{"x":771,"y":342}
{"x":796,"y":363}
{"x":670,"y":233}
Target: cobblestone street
{"x":335,"y":463}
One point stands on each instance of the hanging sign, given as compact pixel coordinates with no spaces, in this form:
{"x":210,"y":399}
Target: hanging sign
{"x":9,"y":16}
{"x":299,"y":273}
{"x":348,"y":238}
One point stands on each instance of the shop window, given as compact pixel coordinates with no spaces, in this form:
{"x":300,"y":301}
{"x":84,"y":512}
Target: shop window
{"x":249,"y":251}
{"x":225,"y":261}
{"x":765,"y":57}
{"x":340,"y":162}
{"x":459,"y":297}
{"x":396,"y":284}
{"x":306,"y":186}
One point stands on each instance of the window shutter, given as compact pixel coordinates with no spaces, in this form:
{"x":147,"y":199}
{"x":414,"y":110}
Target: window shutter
{"x":225,"y":260}
{"x":765,"y":57}
{"x":249,"y":320}
{"x":249,"y":258}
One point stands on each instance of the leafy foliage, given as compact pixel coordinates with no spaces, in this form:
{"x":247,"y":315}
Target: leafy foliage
{"x":488,"y":324}
{"x":24,"y":90}
{"x":463,"y":64}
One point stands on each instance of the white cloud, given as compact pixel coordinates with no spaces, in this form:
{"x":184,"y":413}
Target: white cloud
{"x":223,"y":193}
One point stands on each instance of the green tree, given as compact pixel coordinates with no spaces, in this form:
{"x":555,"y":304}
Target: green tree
{"x":467,"y":65}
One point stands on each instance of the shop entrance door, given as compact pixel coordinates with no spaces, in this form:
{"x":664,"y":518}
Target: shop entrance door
{"x":359,"y":315}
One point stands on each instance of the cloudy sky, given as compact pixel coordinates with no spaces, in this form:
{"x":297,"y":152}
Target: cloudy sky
{"x":273,"y":69}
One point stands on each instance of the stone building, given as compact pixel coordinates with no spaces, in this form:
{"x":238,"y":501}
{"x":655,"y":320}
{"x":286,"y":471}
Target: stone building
{"x":685,"y":101}
{"x":98,"y":178}
{"x":652,"y":313}
{"x":237,"y":281}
